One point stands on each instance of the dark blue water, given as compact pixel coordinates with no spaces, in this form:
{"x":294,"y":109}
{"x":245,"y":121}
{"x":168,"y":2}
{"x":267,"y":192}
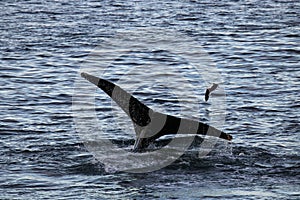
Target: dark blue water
{"x":255,"y":46}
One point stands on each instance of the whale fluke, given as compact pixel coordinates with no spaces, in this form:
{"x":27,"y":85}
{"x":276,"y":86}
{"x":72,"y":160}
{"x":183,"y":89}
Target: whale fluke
{"x":149,"y":124}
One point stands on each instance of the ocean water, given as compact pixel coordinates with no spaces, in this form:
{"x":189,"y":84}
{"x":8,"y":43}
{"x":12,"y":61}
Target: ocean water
{"x":254,"y":45}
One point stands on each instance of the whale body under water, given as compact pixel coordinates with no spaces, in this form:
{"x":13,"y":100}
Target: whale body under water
{"x":150,"y":125}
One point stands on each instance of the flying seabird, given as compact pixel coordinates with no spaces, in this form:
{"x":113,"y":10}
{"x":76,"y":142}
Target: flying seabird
{"x":210,"y":90}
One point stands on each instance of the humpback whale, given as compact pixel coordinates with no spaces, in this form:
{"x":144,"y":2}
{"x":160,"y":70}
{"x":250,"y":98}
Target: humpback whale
{"x":209,"y":90}
{"x":150,"y":125}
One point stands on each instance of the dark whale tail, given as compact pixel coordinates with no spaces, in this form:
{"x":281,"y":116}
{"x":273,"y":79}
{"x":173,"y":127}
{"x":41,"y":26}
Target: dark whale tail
{"x":148,"y":124}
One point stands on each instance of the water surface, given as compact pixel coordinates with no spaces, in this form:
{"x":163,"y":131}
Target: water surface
{"x":254,"y":44}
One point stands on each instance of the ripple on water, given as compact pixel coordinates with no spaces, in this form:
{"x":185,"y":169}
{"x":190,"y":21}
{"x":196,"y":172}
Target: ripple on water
{"x":255,"y":44}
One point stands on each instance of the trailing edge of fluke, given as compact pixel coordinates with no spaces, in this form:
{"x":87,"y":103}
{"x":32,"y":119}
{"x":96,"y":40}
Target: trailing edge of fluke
{"x":149,"y":124}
